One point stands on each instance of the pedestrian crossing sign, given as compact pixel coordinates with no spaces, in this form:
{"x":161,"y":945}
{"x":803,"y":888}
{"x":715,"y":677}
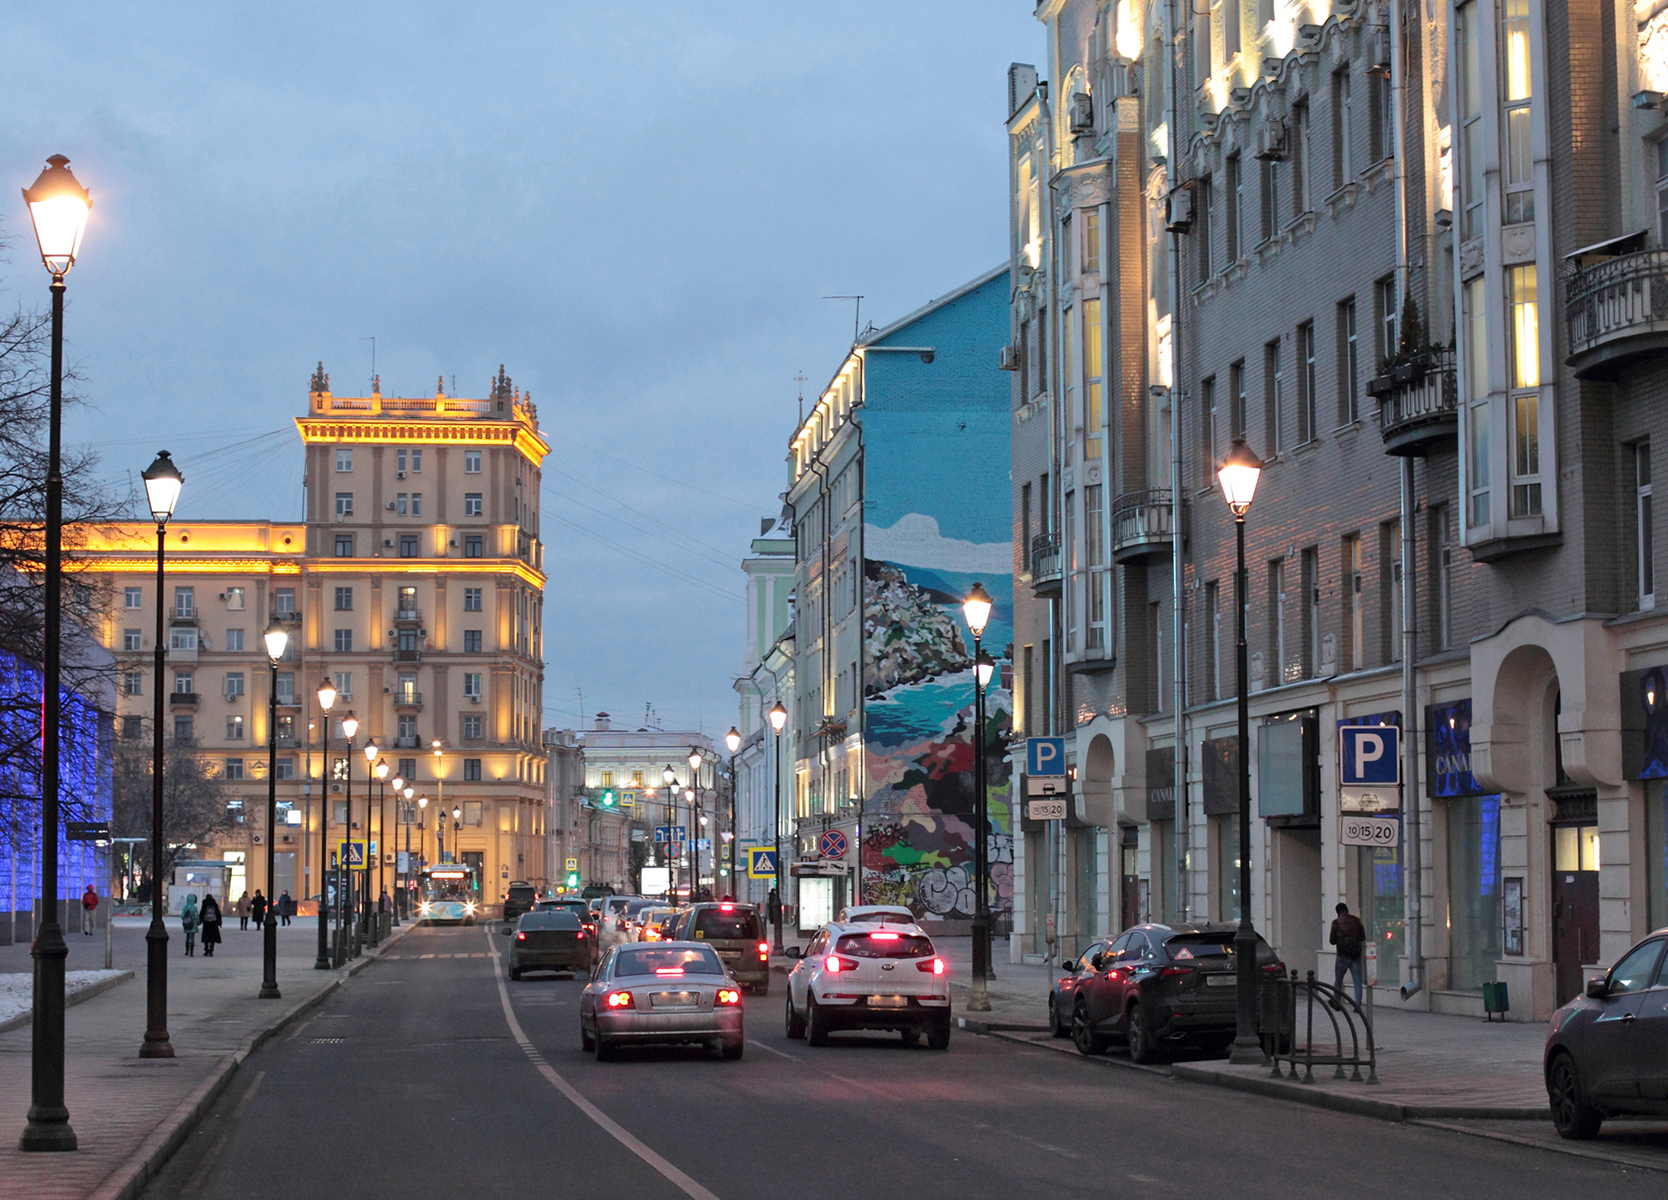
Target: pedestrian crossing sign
{"x":351,"y":854}
{"x":761,"y":862}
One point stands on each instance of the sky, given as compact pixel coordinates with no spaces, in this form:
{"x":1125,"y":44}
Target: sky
{"x":636,"y":209}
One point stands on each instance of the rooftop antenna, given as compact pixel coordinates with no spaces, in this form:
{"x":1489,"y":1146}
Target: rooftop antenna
{"x":800,"y":380}
{"x":856,"y":315}
{"x":372,"y":341}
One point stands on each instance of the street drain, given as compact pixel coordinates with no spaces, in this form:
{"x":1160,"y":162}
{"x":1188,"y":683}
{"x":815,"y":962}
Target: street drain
{"x":327,"y":1041}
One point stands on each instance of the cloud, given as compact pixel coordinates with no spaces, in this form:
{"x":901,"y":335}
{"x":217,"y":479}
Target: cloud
{"x":915,"y":542}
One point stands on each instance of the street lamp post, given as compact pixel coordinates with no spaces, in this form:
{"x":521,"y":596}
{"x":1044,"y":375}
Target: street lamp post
{"x":733,"y":741}
{"x":409,"y":793}
{"x":349,"y":923}
{"x":327,"y":699}
{"x":778,"y":717}
{"x":277,"y":640}
{"x":399,"y":818}
{"x":422,"y":830}
{"x":381,"y":835}
{"x":58,"y":206}
{"x":162,"y":491}
{"x":976,"y":609}
{"x":1238,"y":476}
{"x":696,"y":758}
{"x":670,"y":777}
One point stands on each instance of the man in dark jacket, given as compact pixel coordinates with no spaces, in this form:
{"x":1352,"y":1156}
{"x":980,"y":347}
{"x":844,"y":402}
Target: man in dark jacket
{"x":1350,"y":938}
{"x":257,"y":909}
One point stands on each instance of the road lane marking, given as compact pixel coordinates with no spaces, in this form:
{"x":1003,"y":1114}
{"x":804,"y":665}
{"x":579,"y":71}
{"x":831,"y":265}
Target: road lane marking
{"x":771,"y":1050}
{"x":614,"y":1129}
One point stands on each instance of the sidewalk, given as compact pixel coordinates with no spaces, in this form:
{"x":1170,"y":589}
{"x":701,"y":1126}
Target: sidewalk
{"x":130,"y":1113}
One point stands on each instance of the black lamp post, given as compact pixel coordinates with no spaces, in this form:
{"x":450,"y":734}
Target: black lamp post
{"x":976,"y":609}
{"x":327,"y":699}
{"x":162,"y":491}
{"x":371,"y":922}
{"x":277,"y":640}
{"x":670,"y":776}
{"x":696,"y":758}
{"x":348,"y":921}
{"x":778,"y":717}
{"x":58,"y":206}
{"x":732,"y":740}
{"x":400,"y":798}
{"x":1238,"y":476}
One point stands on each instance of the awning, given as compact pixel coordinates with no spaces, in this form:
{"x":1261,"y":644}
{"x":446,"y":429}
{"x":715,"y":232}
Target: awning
{"x":1626,"y":244}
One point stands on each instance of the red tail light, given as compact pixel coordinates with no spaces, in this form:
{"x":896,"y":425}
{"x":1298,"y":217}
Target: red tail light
{"x":836,"y":964}
{"x":726,"y":908}
{"x":520,"y":936}
{"x":620,"y":1000}
{"x":1175,"y":971}
{"x":729,"y":996}
{"x":581,"y":935}
{"x":933,"y":965}
{"x":1275,"y":968}
{"x":883,"y":937}
{"x":764,"y":949}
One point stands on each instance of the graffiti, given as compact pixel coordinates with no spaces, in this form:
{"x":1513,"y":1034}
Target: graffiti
{"x":946,"y":893}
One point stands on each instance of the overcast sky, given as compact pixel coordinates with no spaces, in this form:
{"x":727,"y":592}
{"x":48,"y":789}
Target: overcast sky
{"x":636,"y":212}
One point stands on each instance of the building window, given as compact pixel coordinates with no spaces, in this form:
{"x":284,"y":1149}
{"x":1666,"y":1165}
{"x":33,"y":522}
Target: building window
{"x":344,"y":545}
{"x":1307,"y":423}
{"x":283,"y":602}
{"x":234,"y":729}
{"x":1642,"y":513}
{"x":472,"y":808}
{"x":132,"y":640}
{"x":344,"y":641}
{"x":1233,"y":240}
{"x":1094,"y":554}
{"x":344,"y":599}
{"x":185,"y":603}
{"x":1276,"y":674}
{"x":285,"y":769}
{"x":1213,"y":648}
{"x":1518,"y":177}
{"x":406,"y":603}
{"x":1201,"y":224}
{"x":1274,"y":397}
{"x":182,"y":729}
{"x":1343,"y":129}
{"x":408,"y":545}
{"x":1094,"y":418}
{"x":285,"y":690}
{"x":471,"y":462}
{"x":1224,"y":831}
{"x":1352,"y":602}
{"x":472,"y":770}
{"x":416,"y":504}
{"x":1470,"y":112}
{"x":234,"y":640}
{"x":1390,"y":597}
{"x":344,"y":459}
{"x":234,"y":599}
{"x":1349,"y":403}
{"x":133,"y":683}
{"x":1091,"y":240}
{"x":472,"y":504}
{"x":399,"y":505}
{"x":1310,"y":568}
{"x":1384,"y":312}
{"x":605,"y":778}
{"x":1271,"y":199}
{"x":1442,"y":542}
{"x":472,"y":727}
{"x":1236,"y":403}
{"x":1381,"y":116}
{"x":1024,"y":533}
{"x":1230,"y":17}
{"x":408,"y":768}
{"x":399,"y":461}
{"x":416,"y":462}
{"x":1477,"y":411}
{"x":471,"y":599}
{"x":344,"y":685}
{"x":133,"y":728}
{"x":472,"y":685}
{"x":344,"y":504}
{"x":133,"y":597}
{"x":471,"y":641}
{"x":184,"y":683}
{"x":472,"y":546}
{"x":182,"y":637}
{"x":234,"y":769}
{"x":234,"y":684}
{"x":1524,"y":341}
{"x":1207,"y":431}
{"x":1298,"y":152}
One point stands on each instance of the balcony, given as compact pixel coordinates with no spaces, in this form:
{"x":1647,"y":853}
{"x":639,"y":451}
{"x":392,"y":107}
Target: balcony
{"x":408,"y":656}
{"x":287,"y":741}
{"x":1141,"y":526}
{"x":409,"y":742}
{"x":407,"y":616}
{"x":182,"y":699}
{"x":1617,"y":308}
{"x":1418,"y":404}
{"x":407,"y":699}
{"x":1045,"y":564}
{"x":290,"y":617}
{"x":183,"y":613}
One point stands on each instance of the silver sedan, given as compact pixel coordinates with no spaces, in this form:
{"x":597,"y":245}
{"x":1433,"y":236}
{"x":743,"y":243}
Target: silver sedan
{"x":661,"y":992}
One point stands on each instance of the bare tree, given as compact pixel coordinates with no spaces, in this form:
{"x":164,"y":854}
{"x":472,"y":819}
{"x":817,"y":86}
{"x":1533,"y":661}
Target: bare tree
{"x":194,"y":797}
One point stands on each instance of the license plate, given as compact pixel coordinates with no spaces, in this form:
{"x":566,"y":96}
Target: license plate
{"x":1224,"y":980}
{"x":673,"y":999}
{"x":888,"y":1002}
{"x":729,"y":954}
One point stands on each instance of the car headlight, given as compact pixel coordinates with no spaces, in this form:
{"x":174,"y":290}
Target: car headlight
{"x":470,"y":907}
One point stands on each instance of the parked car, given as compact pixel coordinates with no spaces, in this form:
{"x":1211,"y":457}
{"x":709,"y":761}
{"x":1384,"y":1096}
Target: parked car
{"x":549,"y":941}
{"x":519,"y":897}
{"x":856,"y":914}
{"x":1157,"y":987}
{"x":667,"y":992}
{"x":737,"y":933}
{"x":865,"y":976}
{"x":1607,"y":1050}
{"x":1062,"y":993}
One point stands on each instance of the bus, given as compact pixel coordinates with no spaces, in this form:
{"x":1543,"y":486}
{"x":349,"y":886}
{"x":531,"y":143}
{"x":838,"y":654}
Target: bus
{"x":449,"y":895}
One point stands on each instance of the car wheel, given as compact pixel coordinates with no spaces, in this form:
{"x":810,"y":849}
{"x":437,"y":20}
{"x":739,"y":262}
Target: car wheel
{"x":732,"y":1050}
{"x":605,"y":1049}
{"x":1142,"y":1048}
{"x":911,"y":1037}
{"x":796,"y":1023}
{"x":762,"y":989}
{"x":1572,"y":1116}
{"x":816,"y":1026}
{"x":515,"y":973}
{"x":1056,"y":1027}
{"x":1082,"y":1036}
{"x":938,"y":1037}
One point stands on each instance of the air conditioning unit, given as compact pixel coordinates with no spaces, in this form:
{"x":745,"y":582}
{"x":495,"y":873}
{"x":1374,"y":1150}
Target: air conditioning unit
{"x":1008,"y":359}
{"x":399,"y":474}
{"x":335,"y":787}
{"x":1082,"y":113}
{"x":390,"y":506}
{"x":1178,"y":209}
{"x":389,"y":542}
{"x":1271,"y":140}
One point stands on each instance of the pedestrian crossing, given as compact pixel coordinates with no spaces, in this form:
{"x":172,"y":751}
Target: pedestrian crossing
{"x":387,"y":957}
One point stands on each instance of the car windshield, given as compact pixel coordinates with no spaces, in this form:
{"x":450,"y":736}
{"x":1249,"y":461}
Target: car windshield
{"x":618,"y":904}
{"x":654,"y":960}
{"x":549,"y":920}
{"x":575,"y":906}
{"x":637,"y":907}
{"x":717,"y":924}
{"x":883,"y":943}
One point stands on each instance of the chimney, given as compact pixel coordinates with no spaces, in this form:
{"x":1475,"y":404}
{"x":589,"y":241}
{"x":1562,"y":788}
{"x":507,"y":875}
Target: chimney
{"x":603,"y":721}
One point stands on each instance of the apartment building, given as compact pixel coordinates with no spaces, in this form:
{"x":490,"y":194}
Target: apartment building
{"x":1352,"y":218}
{"x":763,"y":766}
{"x":572,"y":866}
{"x":414,"y":584}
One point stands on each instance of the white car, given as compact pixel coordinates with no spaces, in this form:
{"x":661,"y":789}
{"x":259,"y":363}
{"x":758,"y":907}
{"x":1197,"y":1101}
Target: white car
{"x":866,"y":975}
{"x":611,"y":920}
{"x":879,"y":914}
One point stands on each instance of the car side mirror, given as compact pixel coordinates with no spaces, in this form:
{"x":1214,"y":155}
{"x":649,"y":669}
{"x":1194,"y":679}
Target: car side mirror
{"x":507,"y":930}
{"x":1069,"y":965}
{"x":1598,"y":987}
{"x":1098,"y":961}
{"x":794,"y":952}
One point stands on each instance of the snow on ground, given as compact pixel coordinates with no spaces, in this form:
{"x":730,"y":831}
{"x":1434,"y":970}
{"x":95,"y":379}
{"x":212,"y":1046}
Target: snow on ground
{"x":17,"y":991}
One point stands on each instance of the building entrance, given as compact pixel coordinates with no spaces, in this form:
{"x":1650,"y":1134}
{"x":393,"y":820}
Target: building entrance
{"x":1575,"y":905}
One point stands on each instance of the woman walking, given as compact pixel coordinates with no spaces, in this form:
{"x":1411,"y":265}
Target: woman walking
{"x":211,"y":919}
{"x":240,"y":909}
{"x":188,"y":922}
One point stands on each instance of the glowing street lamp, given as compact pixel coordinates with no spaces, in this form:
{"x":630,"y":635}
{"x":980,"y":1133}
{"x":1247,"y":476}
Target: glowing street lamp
{"x":778,"y":717}
{"x":327,"y":701}
{"x":277,"y":640}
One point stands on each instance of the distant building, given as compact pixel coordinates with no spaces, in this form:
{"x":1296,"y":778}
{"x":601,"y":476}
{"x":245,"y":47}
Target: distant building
{"x":567,"y":844}
{"x":766,"y":680}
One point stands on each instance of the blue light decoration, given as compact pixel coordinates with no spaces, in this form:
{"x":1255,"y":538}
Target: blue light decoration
{"x":86,"y":778}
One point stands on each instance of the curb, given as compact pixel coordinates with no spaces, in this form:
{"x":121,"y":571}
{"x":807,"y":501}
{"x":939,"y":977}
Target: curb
{"x":1574,"y":1149}
{"x":975,"y":1025}
{"x":128,"y":1180}
{"x":70,"y":1001}
{"x":1300,"y":1093}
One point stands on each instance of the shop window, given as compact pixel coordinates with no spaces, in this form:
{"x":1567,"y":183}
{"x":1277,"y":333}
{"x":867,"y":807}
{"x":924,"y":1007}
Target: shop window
{"x":1474,"y":915}
{"x":1224,"y":832}
{"x":1656,"y":853}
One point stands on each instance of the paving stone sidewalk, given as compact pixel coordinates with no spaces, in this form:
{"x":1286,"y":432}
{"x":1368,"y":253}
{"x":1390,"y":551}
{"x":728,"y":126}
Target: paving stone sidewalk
{"x":130,"y":1113}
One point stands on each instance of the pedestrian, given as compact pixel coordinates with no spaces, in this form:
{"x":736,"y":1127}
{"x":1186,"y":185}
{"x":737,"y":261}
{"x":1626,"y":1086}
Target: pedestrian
{"x":188,"y":922}
{"x":241,"y":907}
{"x":286,"y":908}
{"x":89,"y":906}
{"x":1350,"y":938}
{"x":257,"y":909}
{"x":212,"y":921}
{"x":383,"y":903}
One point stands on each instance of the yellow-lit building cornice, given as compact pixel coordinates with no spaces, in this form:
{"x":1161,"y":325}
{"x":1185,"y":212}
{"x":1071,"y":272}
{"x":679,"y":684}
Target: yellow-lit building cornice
{"x":428,"y":431}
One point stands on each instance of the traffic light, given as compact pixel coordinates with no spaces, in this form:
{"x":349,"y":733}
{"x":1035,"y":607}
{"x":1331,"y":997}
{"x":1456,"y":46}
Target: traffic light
{"x":608,"y":798}
{"x":573,"y":879}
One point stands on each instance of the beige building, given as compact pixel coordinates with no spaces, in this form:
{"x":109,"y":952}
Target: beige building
{"x":414,"y":584}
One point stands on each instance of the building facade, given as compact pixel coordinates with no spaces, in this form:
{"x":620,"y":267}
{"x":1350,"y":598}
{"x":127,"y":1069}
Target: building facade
{"x":899,"y":506}
{"x":414,"y":583}
{"x":762,"y":768}
{"x":567,"y":831}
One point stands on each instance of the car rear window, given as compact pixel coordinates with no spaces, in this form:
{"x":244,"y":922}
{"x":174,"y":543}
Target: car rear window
{"x":522,"y":893}
{"x":884,"y":943}
{"x":714,"y":924}
{"x":549,"y":920}
{"x":650,"y":960}
{"x":880,"y":918}
{"x":1211,"y":945}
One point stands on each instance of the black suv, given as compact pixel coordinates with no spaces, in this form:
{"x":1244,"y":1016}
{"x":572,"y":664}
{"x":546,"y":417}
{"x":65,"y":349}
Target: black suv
{"x":519,"y":899}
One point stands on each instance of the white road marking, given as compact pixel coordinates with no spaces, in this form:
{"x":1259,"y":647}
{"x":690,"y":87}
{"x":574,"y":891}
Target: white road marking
{"x":771,"y":1050}
{"x":614,"y":1129}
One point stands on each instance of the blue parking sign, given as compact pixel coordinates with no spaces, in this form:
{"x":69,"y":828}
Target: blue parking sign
{"x":1368,"y":756}
{"x":1045,"y":756}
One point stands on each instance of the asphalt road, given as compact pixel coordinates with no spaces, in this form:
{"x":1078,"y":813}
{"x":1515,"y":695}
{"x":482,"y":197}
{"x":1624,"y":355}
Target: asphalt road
{"x":410,"y":1082}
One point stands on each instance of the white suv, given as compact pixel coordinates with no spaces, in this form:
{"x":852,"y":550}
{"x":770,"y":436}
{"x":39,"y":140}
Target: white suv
{"x":868,"y":976}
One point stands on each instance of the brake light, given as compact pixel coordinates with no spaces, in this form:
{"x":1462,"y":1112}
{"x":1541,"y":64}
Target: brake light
{"x":668,"y":970}
{"x":883,"y":937}
{"x":1275,"y":968}
{"x":729,"y":996}
{"x":726,"y":908}
{"x":1175,"y":971}
{"x":619,"y":1000}
{"x":764,"y":949}
{"x":836,"y":964}
{"x":935,"y":966}
{"x":520,"y":936}
{"x":581,"y":935}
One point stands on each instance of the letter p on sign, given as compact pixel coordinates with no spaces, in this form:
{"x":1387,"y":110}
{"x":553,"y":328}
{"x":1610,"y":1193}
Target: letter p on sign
{"x":1368,"y":755}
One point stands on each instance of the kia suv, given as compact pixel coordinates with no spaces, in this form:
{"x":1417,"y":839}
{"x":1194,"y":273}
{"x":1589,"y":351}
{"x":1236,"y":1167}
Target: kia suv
{"x":868,"y":976}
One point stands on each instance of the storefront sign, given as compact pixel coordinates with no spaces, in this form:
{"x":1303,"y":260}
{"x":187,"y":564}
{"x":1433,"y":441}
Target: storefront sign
{"x":1448,"y":750}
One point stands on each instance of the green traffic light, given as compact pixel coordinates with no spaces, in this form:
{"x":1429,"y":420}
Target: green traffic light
{"x":608,"y":799}
{"x":573,"y":880}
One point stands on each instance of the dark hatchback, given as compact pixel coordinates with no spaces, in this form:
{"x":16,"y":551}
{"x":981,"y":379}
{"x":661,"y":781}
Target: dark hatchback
{"x":549,"y":941}
{"x":1607,"y":1051}
{"x":1158,"y":987}
{"x":518,"y":899}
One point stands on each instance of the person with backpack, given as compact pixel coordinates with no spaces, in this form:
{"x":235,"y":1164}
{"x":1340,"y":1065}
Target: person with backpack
{"x":211,"y":919}
{"x":1350,"y":938}
{"x":188,"y":922}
